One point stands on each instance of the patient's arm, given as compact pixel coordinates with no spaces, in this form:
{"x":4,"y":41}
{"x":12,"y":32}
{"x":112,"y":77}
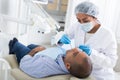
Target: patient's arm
{"x":35,"y":50}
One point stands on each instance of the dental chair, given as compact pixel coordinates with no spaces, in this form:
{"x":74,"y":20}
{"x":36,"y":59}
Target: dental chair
{"x":19,"y":75}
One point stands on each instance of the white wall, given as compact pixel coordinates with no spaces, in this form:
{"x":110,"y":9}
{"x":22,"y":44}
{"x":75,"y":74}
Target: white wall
{"x":3,"y":9}
{"x":15,"y":9}
{"x":9,"y":7}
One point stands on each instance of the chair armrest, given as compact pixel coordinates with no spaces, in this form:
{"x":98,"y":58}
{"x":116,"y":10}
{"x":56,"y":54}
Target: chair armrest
{"x":4,"y":69}
{"x":11,"y":59}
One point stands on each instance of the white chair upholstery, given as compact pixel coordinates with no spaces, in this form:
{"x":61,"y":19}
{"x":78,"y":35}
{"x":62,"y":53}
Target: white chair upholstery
{"x":19,"y":75}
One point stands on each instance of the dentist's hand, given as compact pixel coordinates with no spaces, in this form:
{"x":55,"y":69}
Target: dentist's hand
{"x":64,"y":39}
{"x":86,"y":49}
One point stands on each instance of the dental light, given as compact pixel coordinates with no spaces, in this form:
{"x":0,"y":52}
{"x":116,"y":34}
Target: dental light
{"x":42,"y":20}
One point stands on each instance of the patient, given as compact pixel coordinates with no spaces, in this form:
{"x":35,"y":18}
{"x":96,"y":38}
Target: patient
{"x":37,"y":62}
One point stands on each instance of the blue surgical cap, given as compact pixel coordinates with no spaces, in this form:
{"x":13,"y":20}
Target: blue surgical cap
{"x":87,"y":8}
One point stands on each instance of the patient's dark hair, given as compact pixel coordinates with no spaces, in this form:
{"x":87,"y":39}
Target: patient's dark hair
{"x":82,"y":70}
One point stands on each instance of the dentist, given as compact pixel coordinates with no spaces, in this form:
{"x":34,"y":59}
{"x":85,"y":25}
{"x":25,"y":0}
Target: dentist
{"x":94,"y":39}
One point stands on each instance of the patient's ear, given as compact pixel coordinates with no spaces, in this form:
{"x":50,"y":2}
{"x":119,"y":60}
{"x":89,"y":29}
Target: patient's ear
{"x":67,"y":65}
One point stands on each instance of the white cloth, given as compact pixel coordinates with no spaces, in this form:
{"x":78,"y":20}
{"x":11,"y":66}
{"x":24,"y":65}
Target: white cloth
{"x":87,"y":36}
{"x":104,"y":49}
{"x":56,"y":38}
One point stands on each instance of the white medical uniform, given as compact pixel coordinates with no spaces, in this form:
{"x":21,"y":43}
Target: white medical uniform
{"x":103,"y":45}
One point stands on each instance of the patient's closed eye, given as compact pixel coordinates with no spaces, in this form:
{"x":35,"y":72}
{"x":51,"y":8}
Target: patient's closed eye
{"x":75,"y":54}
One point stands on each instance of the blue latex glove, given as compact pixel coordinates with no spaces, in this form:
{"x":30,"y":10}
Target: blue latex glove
{"x":65,"y":39}
{"x":86,"y":49}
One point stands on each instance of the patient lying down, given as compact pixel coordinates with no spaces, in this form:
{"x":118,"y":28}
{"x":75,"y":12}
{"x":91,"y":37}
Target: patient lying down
{"x":36,"y":61}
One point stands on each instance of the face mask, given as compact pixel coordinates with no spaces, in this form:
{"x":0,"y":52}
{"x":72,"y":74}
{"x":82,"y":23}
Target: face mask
{"x":87,"y":26}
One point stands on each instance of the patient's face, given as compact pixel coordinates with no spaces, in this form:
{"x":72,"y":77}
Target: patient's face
{"x":75,"y":55}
